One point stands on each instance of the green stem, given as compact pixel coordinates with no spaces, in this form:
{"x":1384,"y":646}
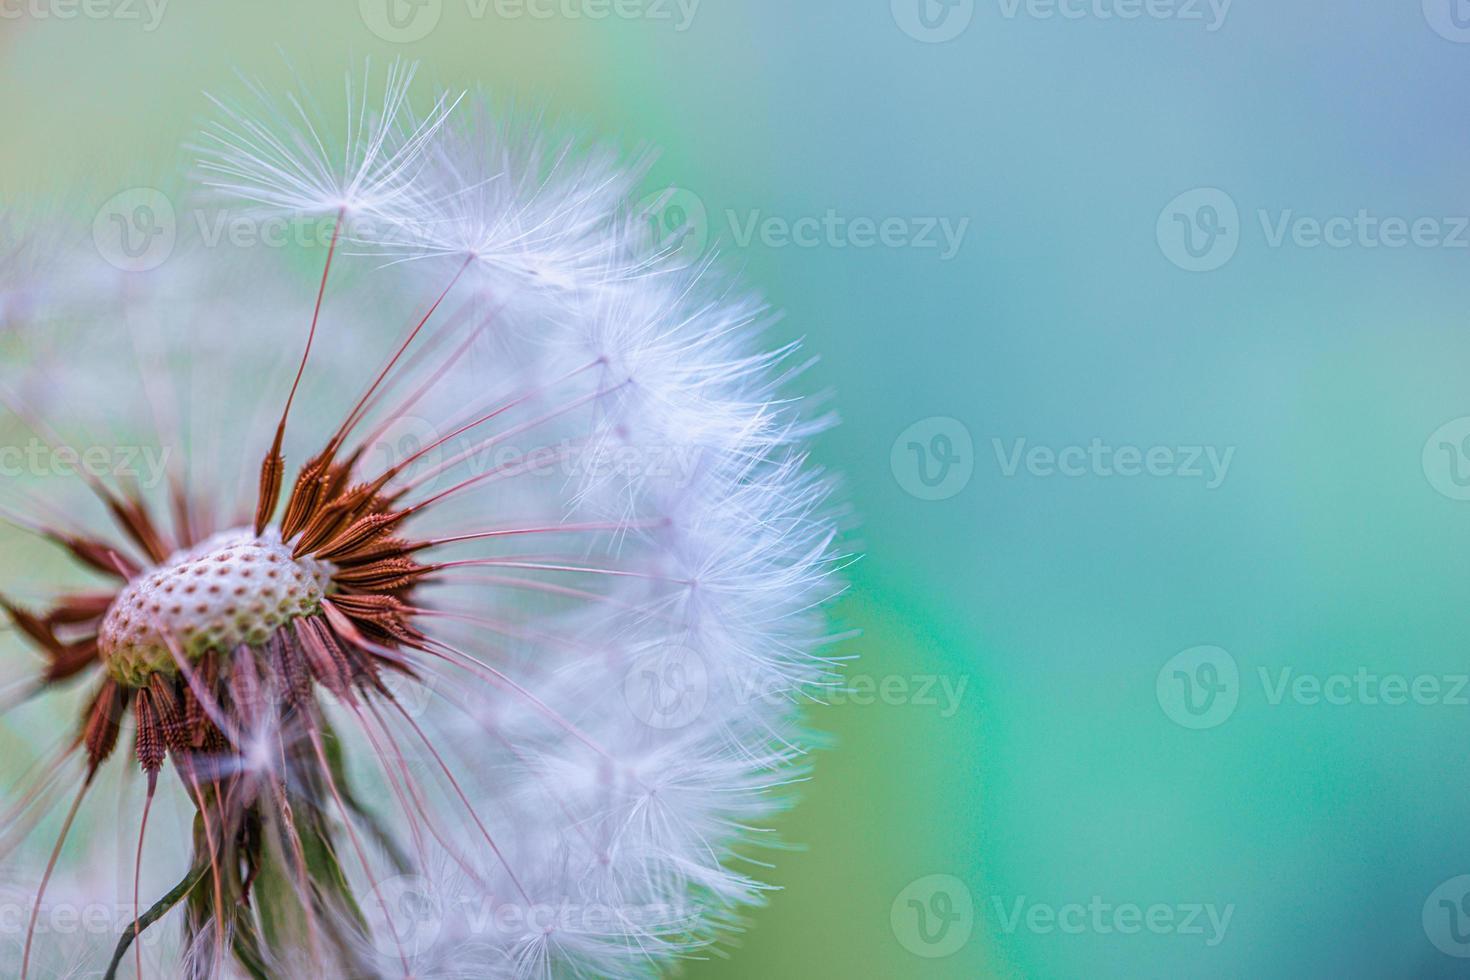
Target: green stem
{"x":162,"y":908}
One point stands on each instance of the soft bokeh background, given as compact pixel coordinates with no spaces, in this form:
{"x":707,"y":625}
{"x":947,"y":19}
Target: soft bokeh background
{"x":1072,"y":770}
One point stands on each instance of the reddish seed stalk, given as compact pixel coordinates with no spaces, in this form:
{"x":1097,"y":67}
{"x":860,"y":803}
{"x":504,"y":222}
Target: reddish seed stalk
{"x":395,"y":470}
{"x":501,"y":437}
{"x":448,"y":774}
{"x":298,"y":853}
{"x":316,"y":743}
{"x":273,"y":469}
{"x":354,"y":416}
{"x":547,"y":529}
{"x":71,"y":818}
{"x":214,"y":853}
{"x":428,"y":385}
{"x":138,"y":875}
{"x":420,"y":802}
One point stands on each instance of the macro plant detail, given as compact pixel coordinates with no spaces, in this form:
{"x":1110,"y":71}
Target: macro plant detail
{"x":474,"y":541}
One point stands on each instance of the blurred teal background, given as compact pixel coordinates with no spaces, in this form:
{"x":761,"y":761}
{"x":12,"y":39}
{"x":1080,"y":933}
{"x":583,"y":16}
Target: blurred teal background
{"x":1028,"y":782}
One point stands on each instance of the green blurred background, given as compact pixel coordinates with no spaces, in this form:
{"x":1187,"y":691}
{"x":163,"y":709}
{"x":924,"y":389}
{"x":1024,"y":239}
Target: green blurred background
{"x":1039,"y":775}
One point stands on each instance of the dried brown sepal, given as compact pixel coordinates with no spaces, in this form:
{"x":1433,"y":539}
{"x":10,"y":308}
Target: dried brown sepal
{"x":290,"y":669}
{"x":246,"y":688}
{"x":325,"y":657}
{"x":79,"y":609}
{"x":64,"y":660}
{"x":183,"y":516}
{"x":100,"y":557}
{"x":381,"y":550}
{"x":311,"y":488}
{"x":73,"y":660}
{"x":193,"y":717}
{"x":383,"y":611}
{"x":352,"y":503}
{"x":356,"y":539}
{"x":167,"y":703}
{"x":103,"y":722}
{"x":388,"y":575}
{"x":197,"y":723}
{"x":272,"y":472}
{"x":152,"y":741}
{"x":327,"y":524}
{"x":34,"y":627}
{"x":215,"y":742}
{"x":132,"y":515}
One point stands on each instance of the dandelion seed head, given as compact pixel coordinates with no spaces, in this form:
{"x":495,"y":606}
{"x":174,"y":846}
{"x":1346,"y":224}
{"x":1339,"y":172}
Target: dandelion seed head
{"x":475,"y":599}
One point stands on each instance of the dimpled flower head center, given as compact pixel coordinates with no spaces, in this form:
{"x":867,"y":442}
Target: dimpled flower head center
{"x":233,"y":589}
